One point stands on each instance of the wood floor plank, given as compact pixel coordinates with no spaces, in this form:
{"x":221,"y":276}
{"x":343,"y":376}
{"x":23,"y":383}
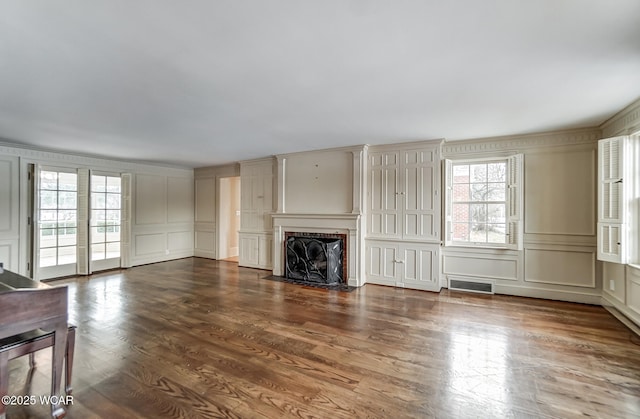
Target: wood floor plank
{"x":200,"y":338}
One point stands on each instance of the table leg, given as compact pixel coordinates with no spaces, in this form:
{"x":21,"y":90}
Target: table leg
{"x":4,"y":381}
{"x":59,"y":349}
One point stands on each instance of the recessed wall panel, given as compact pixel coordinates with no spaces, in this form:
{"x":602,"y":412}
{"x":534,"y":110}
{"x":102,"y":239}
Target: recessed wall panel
{"x":484,"y":267}
{"x":151,"y":199}
{"x":149,"y":244}
{"x":319,"y":183}
{"x":560,"y":267}
{"x":180,"y":240}
{"x":205,"y":241}
{"x":633,"y":287}
{"x":560,"y":192}
{"x":180,"y":202}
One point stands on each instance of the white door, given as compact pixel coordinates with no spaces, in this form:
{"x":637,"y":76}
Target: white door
{"x":56,"y":215}
{"x":105,"y":221}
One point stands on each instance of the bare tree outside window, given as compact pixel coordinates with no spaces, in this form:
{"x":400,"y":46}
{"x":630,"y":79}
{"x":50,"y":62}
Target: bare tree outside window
{"x":479,"y":202}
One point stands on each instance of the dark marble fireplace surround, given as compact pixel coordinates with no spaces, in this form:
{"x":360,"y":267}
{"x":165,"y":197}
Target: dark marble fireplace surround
{"x":316,"y":258}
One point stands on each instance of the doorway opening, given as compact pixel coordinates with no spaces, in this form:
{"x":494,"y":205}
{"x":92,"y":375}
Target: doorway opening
{"x":229,"y":218}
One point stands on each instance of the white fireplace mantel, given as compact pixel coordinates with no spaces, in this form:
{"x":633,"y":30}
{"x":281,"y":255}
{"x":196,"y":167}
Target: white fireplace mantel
{"x":348,"y":224}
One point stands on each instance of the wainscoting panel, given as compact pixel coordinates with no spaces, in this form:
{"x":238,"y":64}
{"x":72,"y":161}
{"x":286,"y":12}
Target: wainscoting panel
{"x":179,"y":241}
{"x":481,"y":266}
{"x":149,"y":244}
{"x":614,"y":281}
{"x":633,"y":286}
{"x":561,"y":265}
{"x":205,"y":242}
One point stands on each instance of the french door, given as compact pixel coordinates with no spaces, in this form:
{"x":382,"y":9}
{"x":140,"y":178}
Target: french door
{"x":56,"y":233}
{"x":106,"y":221}
{"x":66,"y":202}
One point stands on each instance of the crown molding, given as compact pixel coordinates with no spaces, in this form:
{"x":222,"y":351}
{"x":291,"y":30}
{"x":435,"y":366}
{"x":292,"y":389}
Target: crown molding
{"x":627,"y":121}
{"x":55,"y":158}
{"x":522,"y":142}
{"x":346,"y":149}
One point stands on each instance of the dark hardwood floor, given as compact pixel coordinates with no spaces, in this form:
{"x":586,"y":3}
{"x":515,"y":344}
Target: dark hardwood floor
{"x":200,"y":338}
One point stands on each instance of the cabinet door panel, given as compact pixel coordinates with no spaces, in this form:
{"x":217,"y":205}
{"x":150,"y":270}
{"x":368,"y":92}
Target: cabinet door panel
{"x":404,"y":200}
{"x":381,"y":263}
{"x":265,"y":252}
{"x":420,"y":267}
{"x":249,"y":251}
{"x":389,"y":262}
{"x":410,"y":265}
{"x":383,"y":198}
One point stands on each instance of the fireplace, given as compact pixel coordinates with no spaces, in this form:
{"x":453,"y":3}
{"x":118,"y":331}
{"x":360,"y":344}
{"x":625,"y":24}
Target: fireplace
{"x":316,"y":258}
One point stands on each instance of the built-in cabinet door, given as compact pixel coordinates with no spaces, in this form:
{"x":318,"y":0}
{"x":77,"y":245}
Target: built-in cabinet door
{"x":265,"y":252}
{"x":256,"y":206}
{"x":249,"y":246}
{"x":404,"y":201}
{"x":384,"y":211}
{"x":256,"y":250}
{"x":419,"y":266}
{"x":419,"y":195}
{"x":407,"y":265}
{"x":256,"y":197}
{"x":382,"y":263}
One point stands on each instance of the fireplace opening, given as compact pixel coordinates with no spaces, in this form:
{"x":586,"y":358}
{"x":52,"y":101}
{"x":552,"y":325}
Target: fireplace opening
{"x":315,"y":258}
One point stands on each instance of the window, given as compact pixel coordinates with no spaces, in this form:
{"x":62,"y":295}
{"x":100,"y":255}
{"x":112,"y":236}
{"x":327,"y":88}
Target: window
{"x":483,"y":202}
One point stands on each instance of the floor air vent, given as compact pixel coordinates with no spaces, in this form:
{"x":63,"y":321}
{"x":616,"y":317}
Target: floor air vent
{"x":458,"y":285}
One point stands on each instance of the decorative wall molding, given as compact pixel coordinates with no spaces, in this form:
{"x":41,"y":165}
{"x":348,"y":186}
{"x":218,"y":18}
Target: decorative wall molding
{"x":323,"y":150}
{"x":226,"y":170}
{"x":51,"y":158}
{"x":521,"y":142}
{"x":627,"y":121}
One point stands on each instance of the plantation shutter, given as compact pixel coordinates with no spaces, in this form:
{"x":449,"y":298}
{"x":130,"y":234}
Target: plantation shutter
{"x":611,"y":200}
{"x":514,"y":205}
{"x":82,"y":266}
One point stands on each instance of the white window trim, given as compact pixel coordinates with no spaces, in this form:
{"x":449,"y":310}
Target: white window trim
{"x":513,"y":200}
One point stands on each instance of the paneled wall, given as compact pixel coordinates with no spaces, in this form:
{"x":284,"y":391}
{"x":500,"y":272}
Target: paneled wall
{"x":162,"y":203}
{"x":319,"y":182}
{"x":162,"y":226}
{"x":558,"y":260}
{"x":9,"y":212}
{"x":205,"y":207}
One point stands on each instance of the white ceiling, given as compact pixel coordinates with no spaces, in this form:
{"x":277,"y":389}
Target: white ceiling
{"x":203,"y":82}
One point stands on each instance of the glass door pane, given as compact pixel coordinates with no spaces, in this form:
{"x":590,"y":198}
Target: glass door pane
{"x":106,"y":194}
{"x":58,"y":222}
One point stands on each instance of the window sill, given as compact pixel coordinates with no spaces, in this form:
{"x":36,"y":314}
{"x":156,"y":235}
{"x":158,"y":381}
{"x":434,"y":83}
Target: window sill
{"x":476,"y":246}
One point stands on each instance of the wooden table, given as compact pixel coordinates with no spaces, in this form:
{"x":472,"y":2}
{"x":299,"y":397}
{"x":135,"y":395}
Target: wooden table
{"x":26,"y":305}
